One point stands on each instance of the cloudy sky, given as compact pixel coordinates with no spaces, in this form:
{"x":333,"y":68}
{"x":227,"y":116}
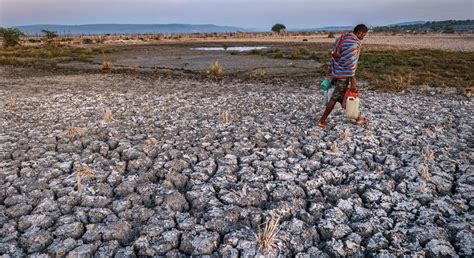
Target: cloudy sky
{"x":243,"y":13}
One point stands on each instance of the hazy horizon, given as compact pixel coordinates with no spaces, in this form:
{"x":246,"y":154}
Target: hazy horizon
{"x":257,"y":14}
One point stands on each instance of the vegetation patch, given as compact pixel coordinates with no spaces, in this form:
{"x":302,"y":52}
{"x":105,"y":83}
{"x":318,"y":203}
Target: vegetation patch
{"x":25,"y":55}
{"x":399,"y":69}
{"x":396,"y":69}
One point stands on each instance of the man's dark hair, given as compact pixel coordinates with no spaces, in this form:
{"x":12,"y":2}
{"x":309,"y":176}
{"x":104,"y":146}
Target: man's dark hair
{"x":360,"y":28}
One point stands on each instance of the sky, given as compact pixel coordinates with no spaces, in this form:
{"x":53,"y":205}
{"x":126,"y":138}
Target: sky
{"x":256,"y":14}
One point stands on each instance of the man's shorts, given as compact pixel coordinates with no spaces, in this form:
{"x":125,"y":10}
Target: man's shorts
{"x":340,"y":87}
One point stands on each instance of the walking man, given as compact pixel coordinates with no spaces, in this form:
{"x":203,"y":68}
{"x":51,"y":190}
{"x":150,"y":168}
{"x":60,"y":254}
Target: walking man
{"x":343,"y":65}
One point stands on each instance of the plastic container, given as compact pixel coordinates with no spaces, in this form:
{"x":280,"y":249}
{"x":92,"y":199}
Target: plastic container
{"x":325,"y":84}
{"x":352,"y":107}
{"x":327,"y":95}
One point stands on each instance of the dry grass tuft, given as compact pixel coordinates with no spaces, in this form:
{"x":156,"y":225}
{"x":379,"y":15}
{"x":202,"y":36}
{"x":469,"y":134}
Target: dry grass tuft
{"x":83,"y":172}
{"x":216,"y":70}
{"x":225,"y":117}
{"x":422,"y":188}
{"x":151,"y":142}
{"x":13,"y":103}
{"x":334,"y":148}
{"x":108,"y":118}
{"x":430,"y":133}
{"x":346,"y":135}
{"x":428,"y":155}
{"x":74,"y":131}
{"x":266,"y":237}
{"x":106,"y":65}
{"x":425,"y":173}
{"x":370,"y":134}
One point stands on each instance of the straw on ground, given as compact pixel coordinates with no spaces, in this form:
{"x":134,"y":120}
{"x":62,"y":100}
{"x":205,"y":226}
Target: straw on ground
{"x":13,"y":103}
{"x":266,"y":237}
{"x":216,"y":70}
{"x":108,"y":118}
{"x":75,"y":131}
{"x":83,"y":172}
{"x":225,"y":117}
{"x":428,"y":155}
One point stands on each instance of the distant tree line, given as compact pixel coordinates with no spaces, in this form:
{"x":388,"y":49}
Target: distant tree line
{"x":449,"y":26}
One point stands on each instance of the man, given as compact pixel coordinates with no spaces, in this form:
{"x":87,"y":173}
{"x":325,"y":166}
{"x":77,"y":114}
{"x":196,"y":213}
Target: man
{"x":342,"y":66}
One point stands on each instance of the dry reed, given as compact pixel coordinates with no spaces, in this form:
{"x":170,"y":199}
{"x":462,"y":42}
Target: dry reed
{"x":266,"y":237}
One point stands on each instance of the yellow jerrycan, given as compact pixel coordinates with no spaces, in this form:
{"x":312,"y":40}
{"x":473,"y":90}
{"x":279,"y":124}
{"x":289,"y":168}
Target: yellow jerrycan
{"x":352,"y":107}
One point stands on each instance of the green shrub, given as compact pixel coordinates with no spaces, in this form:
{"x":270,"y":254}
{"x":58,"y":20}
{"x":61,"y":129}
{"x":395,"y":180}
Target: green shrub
{"x":10,"y":36}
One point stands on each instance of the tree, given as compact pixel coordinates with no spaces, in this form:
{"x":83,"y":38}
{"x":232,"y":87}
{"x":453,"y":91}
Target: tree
{"x":10,"y":36}
{"x":448,"y":29}
{"x":278,"y":27}
{"x":49,"y":34}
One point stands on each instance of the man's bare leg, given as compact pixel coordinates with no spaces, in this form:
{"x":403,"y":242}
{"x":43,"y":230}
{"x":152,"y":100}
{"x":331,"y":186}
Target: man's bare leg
{"x":329,"y":108}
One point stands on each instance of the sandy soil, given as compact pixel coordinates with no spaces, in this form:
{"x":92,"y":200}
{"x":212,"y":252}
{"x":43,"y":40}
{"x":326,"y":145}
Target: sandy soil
{"x":171,"y":178}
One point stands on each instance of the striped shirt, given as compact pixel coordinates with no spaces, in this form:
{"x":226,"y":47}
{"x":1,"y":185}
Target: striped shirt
{"x":345,"y":56}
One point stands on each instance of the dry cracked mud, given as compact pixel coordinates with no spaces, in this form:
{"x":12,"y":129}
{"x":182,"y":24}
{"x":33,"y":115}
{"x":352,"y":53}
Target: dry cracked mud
{"x":162,"y":174}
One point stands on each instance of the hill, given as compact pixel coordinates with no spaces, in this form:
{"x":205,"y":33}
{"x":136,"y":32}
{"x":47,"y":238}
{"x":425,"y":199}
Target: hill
{"x":448,"y":26}
{"x":101,"y":29}
{"x":328,"y":28}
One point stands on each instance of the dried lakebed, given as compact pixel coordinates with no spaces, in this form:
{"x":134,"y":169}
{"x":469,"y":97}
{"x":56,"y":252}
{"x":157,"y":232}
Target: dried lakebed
{"x":161,"y":174}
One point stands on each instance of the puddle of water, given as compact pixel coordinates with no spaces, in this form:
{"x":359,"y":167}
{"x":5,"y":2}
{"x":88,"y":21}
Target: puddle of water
{"x":238,"y":49}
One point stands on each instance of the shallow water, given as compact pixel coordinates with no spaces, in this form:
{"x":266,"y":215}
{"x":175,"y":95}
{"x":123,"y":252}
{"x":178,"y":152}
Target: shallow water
{"x":239,"y":49}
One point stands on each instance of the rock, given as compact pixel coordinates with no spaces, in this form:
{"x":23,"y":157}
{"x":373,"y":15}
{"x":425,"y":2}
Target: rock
{"x":37,"y":220}
{"x":72,"y":230}
{"x":312,"y":252}
{"x":107,"y":249}
{"x":178,"y":180}
{"x":244,"y":240}
{"x":222,"y":219}
{"x":96,"y":215}
{"x":228,"y":251}
{"x":59,"y":248}
{"x":377,"y":242}
{"x":95,"y":201}
{"x":158,"y":245}
{"x":465,"y":243}
{"x":18,"y":210}
{"x":176,"y":201}
{"x":297,"y":235}
{"x":11,"y":249}
{"x":125,"y":252}
{"x":335,"y":248}
{"x":440,"y":248}
{"x":120,"y":231}
{"x":83,"y":250}
{"x":352,"y":244}
{"x":125,"y":188}
{"x":93,"y":233}
{"x":35,"y":240}
{"x":199,"y":242}
{"x":139,"y":214}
